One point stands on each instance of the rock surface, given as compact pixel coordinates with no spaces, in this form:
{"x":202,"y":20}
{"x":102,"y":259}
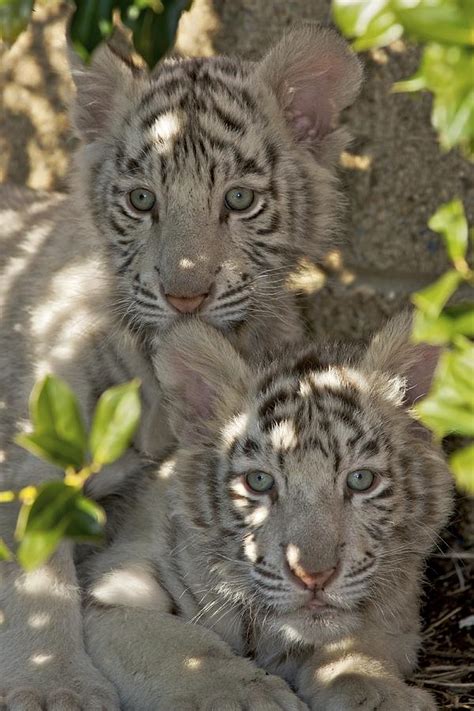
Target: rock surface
{"x":394,"y":173}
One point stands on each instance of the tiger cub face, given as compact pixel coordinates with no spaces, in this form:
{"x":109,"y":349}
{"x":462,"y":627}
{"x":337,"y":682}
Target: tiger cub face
{"x":209,"y":178}
{"x":314,"y":492}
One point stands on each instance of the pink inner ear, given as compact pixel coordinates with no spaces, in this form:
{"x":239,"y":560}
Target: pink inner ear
{"x":198,"y":397}
{"x":421,"y":373}
{"x":309,"y":108}
{"x":195,"y":394}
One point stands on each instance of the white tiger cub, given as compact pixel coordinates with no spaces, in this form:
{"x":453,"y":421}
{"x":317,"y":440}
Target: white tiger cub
{"x":195,"y":189}
{"x":286,"y":535}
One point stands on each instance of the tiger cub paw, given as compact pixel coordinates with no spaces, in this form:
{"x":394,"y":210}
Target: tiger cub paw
{"x":354,"y":692}
{"x":230,"y":691}
{"x":74,"y":688}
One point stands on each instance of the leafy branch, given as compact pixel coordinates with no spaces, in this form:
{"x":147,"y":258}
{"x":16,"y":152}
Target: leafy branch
{"x":153,"y":23}
{"x":58,"y":509}
{"x":447,"y":65}
{"x":447,"y":70}
{"x":449,"y":407}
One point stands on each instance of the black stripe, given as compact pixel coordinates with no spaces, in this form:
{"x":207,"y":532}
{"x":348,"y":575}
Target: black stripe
{"x":250,"y":446}
{"x":145,"y":292}
{"x":384,"y":494}
{"x":229,"y":304}
{"x":231,"y":292}
{"x":272,"y":420}
{"x":271,"y":154}
{"x":234,"y":92}
{"x":277,"y":249}
{"x":307,"y":363}
{"x":268,"y":574}
{"x":255,"y":214}
{"x":123,"y":267}
{"x":250,"y":165}
{"x":126,"y":214}
{"x":152,"y":307}
{"x":117,"y":228}
{"x":279,"y":397}
{"x":258,"y":261}
{"x":133,"y":166}
{"x":230,"y":122}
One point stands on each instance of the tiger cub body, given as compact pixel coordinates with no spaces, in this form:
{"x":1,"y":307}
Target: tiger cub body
{"x":286,"y":534}
{"x":195,"y":188}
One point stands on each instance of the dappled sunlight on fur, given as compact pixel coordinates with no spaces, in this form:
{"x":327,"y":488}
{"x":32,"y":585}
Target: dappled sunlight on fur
{"x":133,"y":586}
{"x":316,"y":578}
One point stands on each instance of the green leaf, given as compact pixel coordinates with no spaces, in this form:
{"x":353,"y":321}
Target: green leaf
{"x":59,"y":434}
{"x":90,"y":24}
{"x":372,"y":22}
{"x":115,"y":420}
{"x":463,"y":322}
{"x":462,"y":465}
{"x":450,"y":221}
{"x":444,"y":419}
{"x":154,"y":25}
{"x":55,"y":451}
{"x":59,"y":511}
{"x":14,"y":17}
{"x":5,"y":552}
{"x":436,"y":330}
{"x":432,"y":299}
{"x":460,"y":366}
{"x":467,"y":7}
{"x":449,"y":408}
{"x":53,"y":502}
{"x":37,"y":547}
{"x":429,"y":21}
{"x":86,"y":521}
{"x":379,"y":22}
{"x":454,"y":321}
{"x":448,"y":72}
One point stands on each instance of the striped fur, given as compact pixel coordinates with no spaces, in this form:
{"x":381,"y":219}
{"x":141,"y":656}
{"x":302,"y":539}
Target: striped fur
{"x":84,"y":276}
{"x":205,"y":549}
{"x":191,"y":131}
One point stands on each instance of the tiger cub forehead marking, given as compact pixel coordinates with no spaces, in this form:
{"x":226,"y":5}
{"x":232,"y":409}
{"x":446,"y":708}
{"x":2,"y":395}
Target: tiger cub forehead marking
{"x":166,"y":129}
{"x":162,"y":152}
{"x":200,"y":110}
{"x":312,"y":407}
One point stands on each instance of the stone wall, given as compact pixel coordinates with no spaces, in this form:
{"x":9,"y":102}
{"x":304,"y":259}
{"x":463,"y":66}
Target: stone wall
{"x":394,"y":173}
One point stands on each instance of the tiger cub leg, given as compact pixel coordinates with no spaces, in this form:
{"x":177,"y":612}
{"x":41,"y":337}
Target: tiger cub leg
{"x":43,"y":662}
{"x":364,"y":675}
{"x":158,"y":662}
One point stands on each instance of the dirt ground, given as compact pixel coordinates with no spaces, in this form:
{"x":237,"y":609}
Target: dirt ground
{"x":447,"y":662}
{"x":395,"y":177}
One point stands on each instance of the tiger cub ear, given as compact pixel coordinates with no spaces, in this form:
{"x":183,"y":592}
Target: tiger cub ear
{"x":203,"y":379}
{"x":411,"y":366}
{"x":315,"y":75}
{"x":102,"y":86}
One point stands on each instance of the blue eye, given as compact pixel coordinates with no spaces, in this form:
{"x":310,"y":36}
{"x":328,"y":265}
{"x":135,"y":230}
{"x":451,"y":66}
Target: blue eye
{"x":260,"y":482}
{"x":142,"y":199}
{"x":360,"y":480}
{"x":239,"y":199}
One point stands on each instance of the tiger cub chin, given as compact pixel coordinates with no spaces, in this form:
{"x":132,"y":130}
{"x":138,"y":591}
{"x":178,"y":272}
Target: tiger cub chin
{"x":285,"y":535}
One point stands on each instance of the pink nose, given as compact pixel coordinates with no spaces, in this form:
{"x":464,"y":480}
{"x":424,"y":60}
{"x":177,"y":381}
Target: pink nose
{"x":313,"y":581}
{"x":186,"y":304}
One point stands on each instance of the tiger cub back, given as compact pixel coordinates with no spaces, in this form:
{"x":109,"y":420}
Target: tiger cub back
{"x":296,"y":514}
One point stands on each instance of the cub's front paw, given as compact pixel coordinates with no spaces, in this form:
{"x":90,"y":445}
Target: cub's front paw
{"x":355,"y":692}
{"x":232,"y":690}
{"x":76,"y":686}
